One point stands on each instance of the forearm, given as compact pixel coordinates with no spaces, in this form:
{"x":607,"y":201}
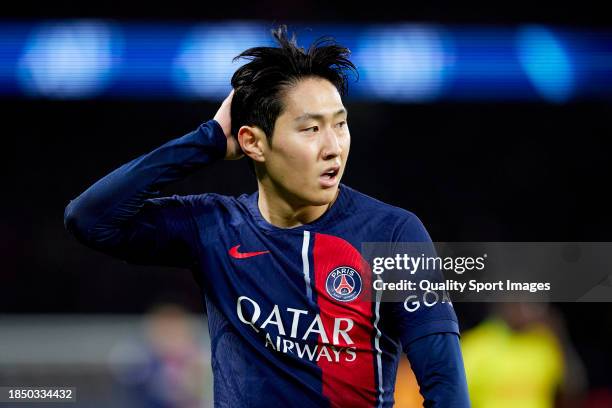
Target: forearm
{"x":97,"y":215}
{"x":438,"y":367}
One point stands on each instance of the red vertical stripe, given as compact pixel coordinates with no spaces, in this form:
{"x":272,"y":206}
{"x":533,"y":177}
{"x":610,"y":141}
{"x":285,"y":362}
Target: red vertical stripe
{"x":345,"y":383}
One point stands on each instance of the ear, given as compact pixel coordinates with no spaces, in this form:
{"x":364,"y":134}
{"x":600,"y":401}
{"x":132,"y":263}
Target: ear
{"x":253,"y":142}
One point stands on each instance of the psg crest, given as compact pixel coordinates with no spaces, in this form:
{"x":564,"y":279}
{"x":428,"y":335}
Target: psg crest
{"x":343,"y":284}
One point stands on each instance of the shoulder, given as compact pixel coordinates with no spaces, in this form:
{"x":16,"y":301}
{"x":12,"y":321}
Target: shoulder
{"x":363,"y":202}
{"x":195,"y":200}
{"x":209,"y":210}
{"x":206,"y":204}
{"x":178,"y":201}
{"x":406,"y":225}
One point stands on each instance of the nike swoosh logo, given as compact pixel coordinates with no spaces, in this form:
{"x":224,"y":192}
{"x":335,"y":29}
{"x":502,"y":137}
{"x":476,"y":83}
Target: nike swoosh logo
{"x":241,"y":255}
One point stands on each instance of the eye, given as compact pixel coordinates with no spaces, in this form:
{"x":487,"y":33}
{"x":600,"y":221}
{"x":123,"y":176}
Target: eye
{"x":313,"y":128}
{"x":341,"y":124}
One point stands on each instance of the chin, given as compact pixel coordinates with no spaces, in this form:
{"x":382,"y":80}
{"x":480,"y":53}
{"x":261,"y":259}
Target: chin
{"x":315,"y":196}
{"x":326,"y":196}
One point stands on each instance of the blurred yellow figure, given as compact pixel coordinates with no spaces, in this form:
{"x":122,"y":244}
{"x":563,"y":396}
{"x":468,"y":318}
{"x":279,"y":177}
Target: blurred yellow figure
{"x":513,"y":360}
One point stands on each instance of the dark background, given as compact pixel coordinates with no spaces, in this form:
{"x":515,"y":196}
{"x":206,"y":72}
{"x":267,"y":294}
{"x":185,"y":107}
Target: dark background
{"x":590,"y":13}
{"x":471,"y":172}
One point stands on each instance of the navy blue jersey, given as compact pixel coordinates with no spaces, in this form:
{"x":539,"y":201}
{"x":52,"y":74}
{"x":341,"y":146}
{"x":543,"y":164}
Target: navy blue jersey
{"x":286,"y":312}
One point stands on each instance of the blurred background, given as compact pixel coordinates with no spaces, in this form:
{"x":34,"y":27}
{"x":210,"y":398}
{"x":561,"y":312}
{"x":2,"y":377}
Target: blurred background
{"x":492,"y":121}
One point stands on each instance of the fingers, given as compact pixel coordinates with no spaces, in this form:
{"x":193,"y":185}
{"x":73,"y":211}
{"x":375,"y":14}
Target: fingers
{"x":229,"y":97}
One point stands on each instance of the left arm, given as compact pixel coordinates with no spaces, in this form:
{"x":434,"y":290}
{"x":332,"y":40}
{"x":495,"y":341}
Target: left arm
{"x":438,"y":367}
{"x":430,"y":336}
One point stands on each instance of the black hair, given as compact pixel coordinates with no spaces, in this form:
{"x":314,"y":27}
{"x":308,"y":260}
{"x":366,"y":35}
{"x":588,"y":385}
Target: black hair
{"x":259,"y":85}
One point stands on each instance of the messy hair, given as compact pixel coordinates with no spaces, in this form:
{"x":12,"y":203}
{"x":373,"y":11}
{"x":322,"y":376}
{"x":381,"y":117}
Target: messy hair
{"x":260,"y":84}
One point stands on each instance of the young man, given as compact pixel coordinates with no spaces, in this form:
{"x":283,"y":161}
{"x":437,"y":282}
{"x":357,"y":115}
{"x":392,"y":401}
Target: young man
{"x":280,"y":269}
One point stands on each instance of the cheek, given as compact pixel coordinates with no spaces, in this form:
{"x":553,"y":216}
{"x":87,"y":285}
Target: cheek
{"x":299,"y":153}
{"x":294,"y":159}
{"x":346,"y":146}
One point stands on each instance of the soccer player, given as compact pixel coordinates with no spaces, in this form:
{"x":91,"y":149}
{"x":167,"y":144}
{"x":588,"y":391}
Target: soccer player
{"x":280,"y":269}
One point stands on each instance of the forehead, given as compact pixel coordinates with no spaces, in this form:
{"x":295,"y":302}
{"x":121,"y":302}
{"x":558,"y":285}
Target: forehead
{"x":312,"y":95}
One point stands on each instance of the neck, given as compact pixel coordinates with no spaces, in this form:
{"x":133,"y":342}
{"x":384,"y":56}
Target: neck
{"x":286,"y":212}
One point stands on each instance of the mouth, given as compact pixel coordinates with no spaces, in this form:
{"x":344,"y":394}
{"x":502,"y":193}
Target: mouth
{"x":329,"y":177}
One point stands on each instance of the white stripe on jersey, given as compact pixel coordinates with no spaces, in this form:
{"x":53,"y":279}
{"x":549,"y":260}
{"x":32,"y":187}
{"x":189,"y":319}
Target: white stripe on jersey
{"x":305,"y":264}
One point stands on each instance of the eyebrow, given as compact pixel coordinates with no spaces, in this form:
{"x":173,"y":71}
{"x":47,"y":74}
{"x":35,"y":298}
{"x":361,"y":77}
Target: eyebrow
{"x":318,"y":116}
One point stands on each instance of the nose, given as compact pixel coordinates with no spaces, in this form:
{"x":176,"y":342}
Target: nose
{"x":331,"y":145}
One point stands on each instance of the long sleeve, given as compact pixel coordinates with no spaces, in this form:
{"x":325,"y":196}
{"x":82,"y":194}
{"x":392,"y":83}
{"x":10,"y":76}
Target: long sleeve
{"x":438,"y":367}
{"x":121,"y":215}
{"x":429,"y":332}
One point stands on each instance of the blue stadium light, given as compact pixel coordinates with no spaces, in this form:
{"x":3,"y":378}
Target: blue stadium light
{"x":403,"y":63}
{"x":399,"y":62}
{"x":546,"y":63}
{"x":203,"y":67}
{"x":486,"y":66}
{"x":68,"y":60}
